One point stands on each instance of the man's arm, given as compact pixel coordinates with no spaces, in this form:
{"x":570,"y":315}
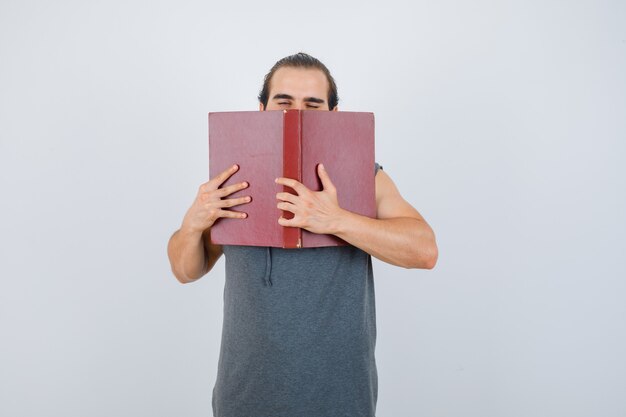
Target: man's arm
{"x":190,"y":251}
{"x":191,"y":254}
{"x":399,"y":235}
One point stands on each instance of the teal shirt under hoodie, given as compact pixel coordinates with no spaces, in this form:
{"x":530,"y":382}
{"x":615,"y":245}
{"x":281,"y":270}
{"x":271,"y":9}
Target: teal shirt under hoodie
{"x":299,"y":334}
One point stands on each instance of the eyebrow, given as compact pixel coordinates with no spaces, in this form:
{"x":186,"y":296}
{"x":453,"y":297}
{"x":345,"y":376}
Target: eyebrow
{"x":282,"y":96}
{"x":307,"y":99}
{"x":314,"y":100}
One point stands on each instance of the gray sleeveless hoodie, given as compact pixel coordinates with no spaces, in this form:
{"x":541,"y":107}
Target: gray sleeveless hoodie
{"x":299,"y":334}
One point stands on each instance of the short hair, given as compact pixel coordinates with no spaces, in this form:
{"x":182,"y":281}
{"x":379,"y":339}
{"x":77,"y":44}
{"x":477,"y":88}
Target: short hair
{"x":300,"y":60}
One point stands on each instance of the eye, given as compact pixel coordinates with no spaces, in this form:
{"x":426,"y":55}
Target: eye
{"x":313,"y":107}
{"x":283,"y":103}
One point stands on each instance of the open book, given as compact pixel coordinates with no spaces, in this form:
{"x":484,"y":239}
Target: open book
{"x":290,"y":143}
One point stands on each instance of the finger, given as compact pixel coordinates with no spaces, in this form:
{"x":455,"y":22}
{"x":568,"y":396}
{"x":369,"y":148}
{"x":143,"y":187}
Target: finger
{"x":231,"y":202}
{"x":325,"y":178}
{"x":288,"y":223}
{"x":291,"y":183}
{"x":287,"y":207}
{"x":219,"y":179}
{"x":287,"y":197}
{"x":232,"y":214}
{"x":226,"y":191}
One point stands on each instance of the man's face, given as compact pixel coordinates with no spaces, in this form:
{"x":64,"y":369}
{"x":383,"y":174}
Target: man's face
{"x":298,"y":89}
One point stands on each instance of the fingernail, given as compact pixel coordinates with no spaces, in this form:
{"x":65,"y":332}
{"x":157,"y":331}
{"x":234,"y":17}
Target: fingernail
{"x":322,"y":166}
{"x":235,"y":166}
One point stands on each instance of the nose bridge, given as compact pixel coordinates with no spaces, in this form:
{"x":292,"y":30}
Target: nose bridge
{"x":299,"y":104}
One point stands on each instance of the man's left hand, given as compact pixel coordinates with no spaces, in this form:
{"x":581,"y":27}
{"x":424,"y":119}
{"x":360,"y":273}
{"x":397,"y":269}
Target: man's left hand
{"x":315,"y":211}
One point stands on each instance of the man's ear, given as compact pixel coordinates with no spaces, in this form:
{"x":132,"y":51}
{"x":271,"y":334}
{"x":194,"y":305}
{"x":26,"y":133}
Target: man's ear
{"x":261,"y":107}
{"x":336,"y":108}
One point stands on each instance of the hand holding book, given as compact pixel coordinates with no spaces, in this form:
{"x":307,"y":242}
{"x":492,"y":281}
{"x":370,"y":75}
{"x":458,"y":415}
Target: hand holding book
{"x":315,"y":211}
{"x":211,"y":203}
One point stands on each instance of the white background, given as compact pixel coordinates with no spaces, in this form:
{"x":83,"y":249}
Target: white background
{"x":502,"y":122}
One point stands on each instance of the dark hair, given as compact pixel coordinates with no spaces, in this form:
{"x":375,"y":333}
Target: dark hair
{"x":300,"y":60}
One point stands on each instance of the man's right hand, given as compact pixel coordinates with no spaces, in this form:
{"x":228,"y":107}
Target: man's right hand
{"x":210,"y":203}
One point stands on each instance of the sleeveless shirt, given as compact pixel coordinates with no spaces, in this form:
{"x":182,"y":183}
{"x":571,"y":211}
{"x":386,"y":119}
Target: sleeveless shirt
{"x":299,"y":333}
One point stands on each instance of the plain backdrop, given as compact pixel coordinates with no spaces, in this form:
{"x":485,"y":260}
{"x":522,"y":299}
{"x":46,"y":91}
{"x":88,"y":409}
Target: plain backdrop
{"x":502,"y":122}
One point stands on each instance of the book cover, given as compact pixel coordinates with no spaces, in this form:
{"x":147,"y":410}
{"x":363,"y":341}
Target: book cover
{"x":290,"y":143}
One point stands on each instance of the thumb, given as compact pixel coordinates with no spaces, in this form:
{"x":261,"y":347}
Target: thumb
{"x":325,"y":178}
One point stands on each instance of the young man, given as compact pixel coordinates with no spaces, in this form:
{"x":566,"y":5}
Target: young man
{"x":299,"y":326}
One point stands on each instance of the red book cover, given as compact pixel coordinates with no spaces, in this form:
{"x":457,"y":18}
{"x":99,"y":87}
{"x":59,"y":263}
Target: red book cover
{"x":290,"y":143}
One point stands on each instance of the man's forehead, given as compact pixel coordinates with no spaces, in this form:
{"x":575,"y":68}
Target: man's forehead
{"x":290,"y":80}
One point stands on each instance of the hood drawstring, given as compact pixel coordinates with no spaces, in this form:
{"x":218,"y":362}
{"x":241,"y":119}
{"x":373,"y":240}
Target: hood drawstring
{"x":268,"y":267}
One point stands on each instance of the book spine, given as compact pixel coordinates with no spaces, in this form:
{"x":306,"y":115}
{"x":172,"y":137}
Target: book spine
{"x":292,"y":168}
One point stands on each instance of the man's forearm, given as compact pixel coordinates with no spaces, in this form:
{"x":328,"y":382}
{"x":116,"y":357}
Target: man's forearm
{"x":187,"y":255}
{"x":190,"y":250}
{"x":402,"y":241}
